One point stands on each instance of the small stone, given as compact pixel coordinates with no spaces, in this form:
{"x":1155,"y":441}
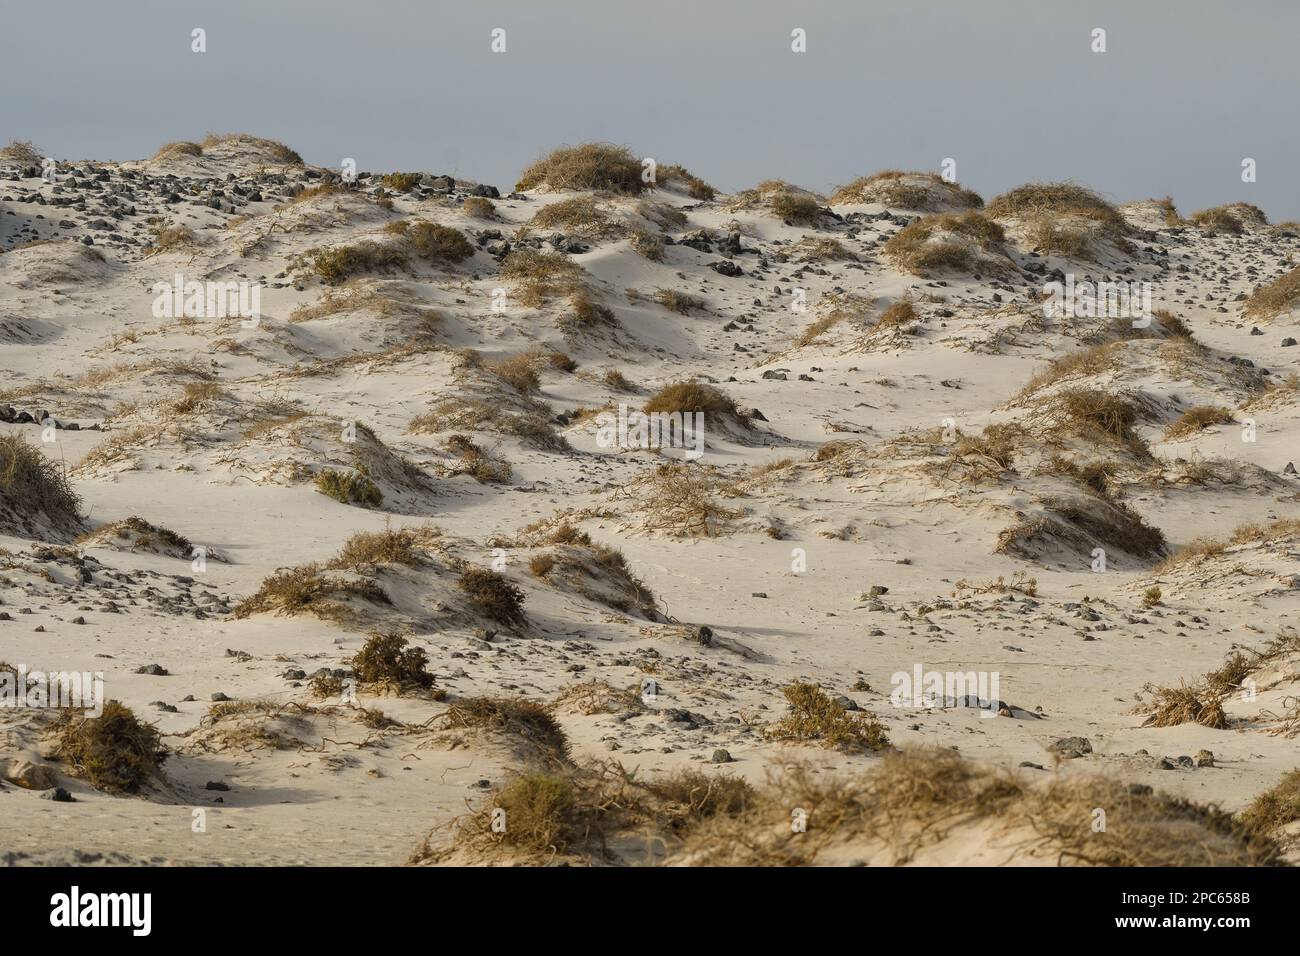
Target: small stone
{"x":720,"y":756}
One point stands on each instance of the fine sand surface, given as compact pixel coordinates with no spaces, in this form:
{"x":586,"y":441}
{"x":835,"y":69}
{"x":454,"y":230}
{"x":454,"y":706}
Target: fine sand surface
{"x":850,"y":518}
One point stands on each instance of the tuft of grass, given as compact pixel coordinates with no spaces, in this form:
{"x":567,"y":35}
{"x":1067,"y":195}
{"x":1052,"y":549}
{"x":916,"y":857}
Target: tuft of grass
{"x":943,"y":242}
{"x":400,"y":182}
{"x":817,"y":718}
{"x":647,"y":245}
{"x":1172,"y":324}
{"x":687,"y":397}
{"x":343,"y":262}
{"x":349,"y":487}
{"x":1244,"y":534}
{"x":1052,"y":200}
{"x":907,"y":190}
{"x":493,"y":596}
{"x":1279,"y":296}
{"x":479,"y":207}
{"x":476,"y":461}
{"x":116,"y":751}
{"x":595,"y":166}
{"x":519,"y":372}
{"x":580,"y":215}
{"x":279,"y":152}
{"x":1232,"y":219}
{"x":898,"y":314}
{"x":1151,"y":596}
{"x":796,"y":207}
{"x":196,"y":395}
{"x":1196,"y":419}
{"x":32,"y":485}
{"x":1276,"y":807}
{"x":539,"y":276}
{"x":683,"y":303}
{"x":696,"y":187}
{"x":177,"y":148}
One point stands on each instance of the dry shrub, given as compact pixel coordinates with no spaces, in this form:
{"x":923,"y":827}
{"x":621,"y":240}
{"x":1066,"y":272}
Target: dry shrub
{"x":598,"y":166}
{"x":116,"y":751}
{"x":527,"y":720}
{"x":597,"y":697}
{"x":33,"y":486}
{"x":817,"y":718}
{"x":1171,"y":706}
{"x":437,"y":244}
{"x":679,"y":499}
{"x":997,"y":443}
{"x":477,"y":462}
{"x":386,"y":659}
{"x":171,"y":238}
{"x":307,"y":590}
{"x":22,"y":151}
{"x":1151,"y":596}
{"x":405,"y":546}
{"x":1052,"y":238}
{"x":492,"y":595}
{"x":1197,"y":418}
{"x":539,"y":276}
{"x":597,"y":572}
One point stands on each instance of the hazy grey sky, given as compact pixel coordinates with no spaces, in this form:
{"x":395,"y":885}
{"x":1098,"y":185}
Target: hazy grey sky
{"x":1009,"y":88}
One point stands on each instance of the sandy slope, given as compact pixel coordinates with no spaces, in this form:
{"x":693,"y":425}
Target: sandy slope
{"x":879,"y":515}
